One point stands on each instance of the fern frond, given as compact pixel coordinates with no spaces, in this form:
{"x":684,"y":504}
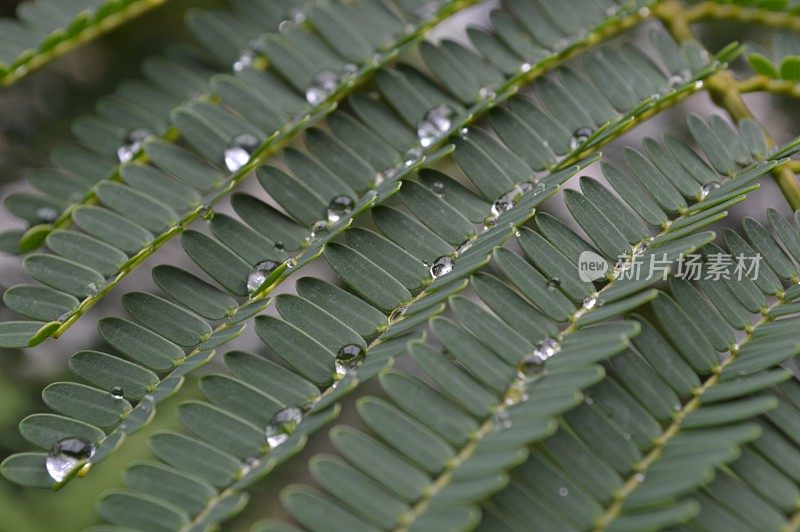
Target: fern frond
{"x":670,"y":412}
{"x":229,"y":261}
{"x":209,"y":130}
{"x":44,"y":30}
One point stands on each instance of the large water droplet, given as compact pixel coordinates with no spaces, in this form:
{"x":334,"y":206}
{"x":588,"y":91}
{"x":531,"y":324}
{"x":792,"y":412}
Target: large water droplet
{"x":338,"y":207}
{"x":590,"y":301}
{"x":322,"y":86}
{"x":411,"y":156}
{"x":348,"y":358}
{"x":132,"y":144}
{"x":525,"y":67}
{"x":66,"y":455}
{"x":532,"y":363}
{"x":320,"y":227}
{"x":442,"y":266}
{"x":239,"y":150}
{"x":282,"y":425}
{"x":436,"y":123}
{"x":503,"y":204}
{"x":708,"y":188}
{"x":117,"y":392}
{"x":259,"y":274}
{"x":580,"y":136}
{"x":46,"y":215}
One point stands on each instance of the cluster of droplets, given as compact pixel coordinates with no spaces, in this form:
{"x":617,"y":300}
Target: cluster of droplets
{"x":239,"y":150}
{"x":296,"y":18}
{"x":442,"y":266}
{"x":132,"y":144}
{"x":339,"y":207}
{"x":250,"y":54}
{"x":435,"y":124}
{"x":66,"y":455}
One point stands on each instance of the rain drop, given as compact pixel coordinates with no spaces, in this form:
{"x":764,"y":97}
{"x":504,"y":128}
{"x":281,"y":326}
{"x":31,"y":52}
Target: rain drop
{"x":639,"y":477}
{"x":320,"y":227}
{"x":525,"y":67}
{"x":563,"y":491}
{"x":708,"y":188}
{"x":464,"y":246}
{"x":251,"y":52}
{"x":250,"y":463}
{"x":463,"y":133}
{"x":639,"y":249}
{"x":532,"y":363}
{"x":117,"y":392}
{"x":322,"y":86}
{"x":502,"y":420}
{"x":259,"y":274}
{"x":442,"y":266}
{"x":554,"y":283}
{"x":282,"y":425}
{"x":589,"y":302}
{"x":580,"y":136}
{"x":132,"y":144}
{"x":46,"y":215}
{"x":239,"y":150}
{"x":411,"y":156}
{"x":93,"y":289}
{"x":487,"y":92}
{"x":436,"y":123}
{"x":66,"y":455}
{"x":348,"y":358}
{"x":489,"y":222}
{"x":339,"y":207}
{"x":437,"y":187}
{"x":279,"y":245}
{"x":503,"y":204}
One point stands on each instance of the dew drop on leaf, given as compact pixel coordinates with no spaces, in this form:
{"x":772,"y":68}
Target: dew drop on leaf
{"x":282,"y":425}
{"x":131,"y":144}
{"x":348,"y":358}
{"x":117,"y":392}
{"x":239,"y":151}
{"x":259,"y":274}
{"x":434,"y":125}
{"x":339,"y":207}
{"x":322,"y":85}
{"x":442,"y":266}
{"x":708,"y":188}
{"x":66,"y":455}
{"x":532,"y":363}
{"x":580,"y":136}
{"x":46,"y":215}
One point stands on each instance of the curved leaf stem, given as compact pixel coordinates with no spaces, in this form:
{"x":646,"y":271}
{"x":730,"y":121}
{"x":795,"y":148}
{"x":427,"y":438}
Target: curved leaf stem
{"x":711,"y":10}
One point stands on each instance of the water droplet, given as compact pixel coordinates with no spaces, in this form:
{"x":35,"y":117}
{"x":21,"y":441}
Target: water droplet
{"x":93,"y":289}
{"x":563,"y":491}
{"x":639,"y":249}
{"x":250,"y":463}
{"x":545,"y":349}
{"x":708,"y":188}
{"x":644,"y":12}
{"x":525,"y":67}
{"x":502,"y":420}
{"x":489,"y":222}
{"x":206,"y":213}
{"x":320,"y":227}
{"x":627,"y":436}
{"x":348,"y":358}
{"x":463,"y":133}
{"x":437,"y":187}
{"x":64,"y":316}
{"x":554,"y":283}
{"x":411,"y":156}
{"x":259,"y":274}
{"x":349,"y":70}
{"x":296,"y":17}
{"x":66,"y":455}
{"x":698,"y":84}
{"x":589,"y":302}
{"x":464,"y":246}
{"x":678,"y":79}
{"x":487,"y":92}
{"x":442,"y":266}
{"x":427,"y":10}
{"x":503,"y":204}
{"x":580,"y":136}
{"x":282,"y":425}
{"x":117,"y":392}
{"x":639,"y":477}
{"x":436,"y":123}
{"x":46,"y":215}
{"x":239,"y":150}
{"x":249,"y":54}
{"x":339,"y":207}
{"x":132,"y":144}
{"x":291,"y":263}
{"x":385,"y":175}
{"x":322,"y":86}
{"x":279,"y":245}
